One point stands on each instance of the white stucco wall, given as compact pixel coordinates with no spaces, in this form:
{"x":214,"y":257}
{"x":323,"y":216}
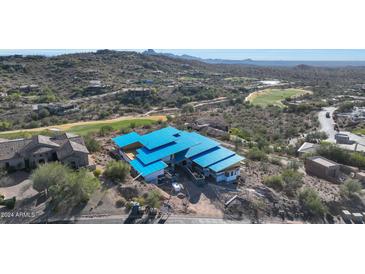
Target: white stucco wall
{"x":152,"y":178}
{"x":222,"y":177}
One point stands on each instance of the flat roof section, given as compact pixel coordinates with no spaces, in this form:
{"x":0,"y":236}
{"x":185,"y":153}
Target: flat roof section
{"x":159,"y":137}
{"x":126,"y":139}
{"x":222,"y":165}
{"x":146,"y":170}
{"x":212,"y":156}
{"x":323,"y":161}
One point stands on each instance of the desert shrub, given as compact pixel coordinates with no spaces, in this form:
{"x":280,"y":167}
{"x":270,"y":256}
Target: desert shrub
{"x":116,"y":170}
{"x":91,"y":143}
{"x":105,"y":130}
{"x":275,"y":161}
{"x":48,"y":175}
{"x":121,"y":202}
{"x":341,"y":156}
{"x":76,"y":189}
{"x":141,"y":200}
{"x":275,"y":182}
{"x":293,"y":164}
{"x":153,"y":199}
{"x":311,"y":202}
{"x":256,"y":154}
{"x":350,"y":188}
{"x":316,"y":137}
{"x":97,"y":172}
{"x":65,"y":187}
{"x":188,"y":108}
{"x":293,"y":180}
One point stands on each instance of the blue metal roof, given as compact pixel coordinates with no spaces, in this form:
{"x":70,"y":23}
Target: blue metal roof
{"x":159,"y":137}
{"x":146,"y":170}
{"x":171,"y":141}
{"x":212,"y":156}
{"x":126,"y":139}
{"x":204,"y":144}
{"x":226,"y":163}
{"x":149,"y":156}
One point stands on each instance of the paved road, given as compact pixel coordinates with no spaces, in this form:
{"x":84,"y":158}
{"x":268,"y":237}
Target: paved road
{"x":327,"y":126}
{"x":327,"y":123}
{"x":173,"y":219}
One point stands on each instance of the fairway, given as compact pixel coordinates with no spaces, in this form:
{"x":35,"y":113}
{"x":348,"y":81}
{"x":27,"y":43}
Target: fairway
{"x":83,"y":128}
{"x":274,"y":96}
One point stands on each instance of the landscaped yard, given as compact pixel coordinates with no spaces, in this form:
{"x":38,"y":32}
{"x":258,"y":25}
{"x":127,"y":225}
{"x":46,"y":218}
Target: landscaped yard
{"x":274,"y":96}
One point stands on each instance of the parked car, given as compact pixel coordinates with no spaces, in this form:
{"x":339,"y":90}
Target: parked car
{"x":328,"y":115}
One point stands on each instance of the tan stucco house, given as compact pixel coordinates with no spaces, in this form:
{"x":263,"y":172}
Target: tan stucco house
{"x":66,"y":148}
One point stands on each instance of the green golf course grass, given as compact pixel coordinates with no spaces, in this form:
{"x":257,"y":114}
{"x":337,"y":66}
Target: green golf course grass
{"x":275,"y":96}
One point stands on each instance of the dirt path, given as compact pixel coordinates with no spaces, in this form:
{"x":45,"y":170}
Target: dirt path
{"x":65,"y":127}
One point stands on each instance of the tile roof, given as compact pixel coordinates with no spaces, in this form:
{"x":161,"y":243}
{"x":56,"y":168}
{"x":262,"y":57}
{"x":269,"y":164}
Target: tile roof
{"x":63,"y":144}
{"x":11,"y":148}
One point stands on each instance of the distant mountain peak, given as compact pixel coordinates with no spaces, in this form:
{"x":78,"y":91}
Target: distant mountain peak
{"x":150,"y":52}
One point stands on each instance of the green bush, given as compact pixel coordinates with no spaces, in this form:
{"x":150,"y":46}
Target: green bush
{"x":275,"y":161}
{"x":117,"y":170}
{"x":256,"y":154}
{"x":293,"y":180}
{"x":153,"y":199}
{"x":341,"y":156}
{"x":350,"y":188}
{"x":66,"y":188}
{"x":97,"y":172}
{"x":91,"y":143}
{"x":9,"y":203}
{"x":75,"y":190}
{"x":310,"y":201}
{"x":294,"y":164}
{"x":105,"y":130}
{"x":316,"y":137}
{"x":48,"y":175}
{"x":275,"y":182}
{"x":141,"y":200}
{"x":121,"y":202}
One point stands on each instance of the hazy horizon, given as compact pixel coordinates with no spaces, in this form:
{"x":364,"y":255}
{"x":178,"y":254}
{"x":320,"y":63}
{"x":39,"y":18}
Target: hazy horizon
{"x":228,"y":54}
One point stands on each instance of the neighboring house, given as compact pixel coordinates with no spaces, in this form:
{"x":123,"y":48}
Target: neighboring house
{"x":307,"y":147}
{"x":152,"y":154}
{"x":342,"y":138}
{"x":322,"y":168}
{"x":67,"y":148}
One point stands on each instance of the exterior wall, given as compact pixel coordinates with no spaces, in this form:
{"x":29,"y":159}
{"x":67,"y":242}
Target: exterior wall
{"x":77,"y":160}
{"x":321,"y":171}
{"x":226,"y":176}
{"x":17,"y":163}
{"x":152,"y":178}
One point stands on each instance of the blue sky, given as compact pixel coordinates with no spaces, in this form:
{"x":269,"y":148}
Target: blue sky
{"x":233,"y":54}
